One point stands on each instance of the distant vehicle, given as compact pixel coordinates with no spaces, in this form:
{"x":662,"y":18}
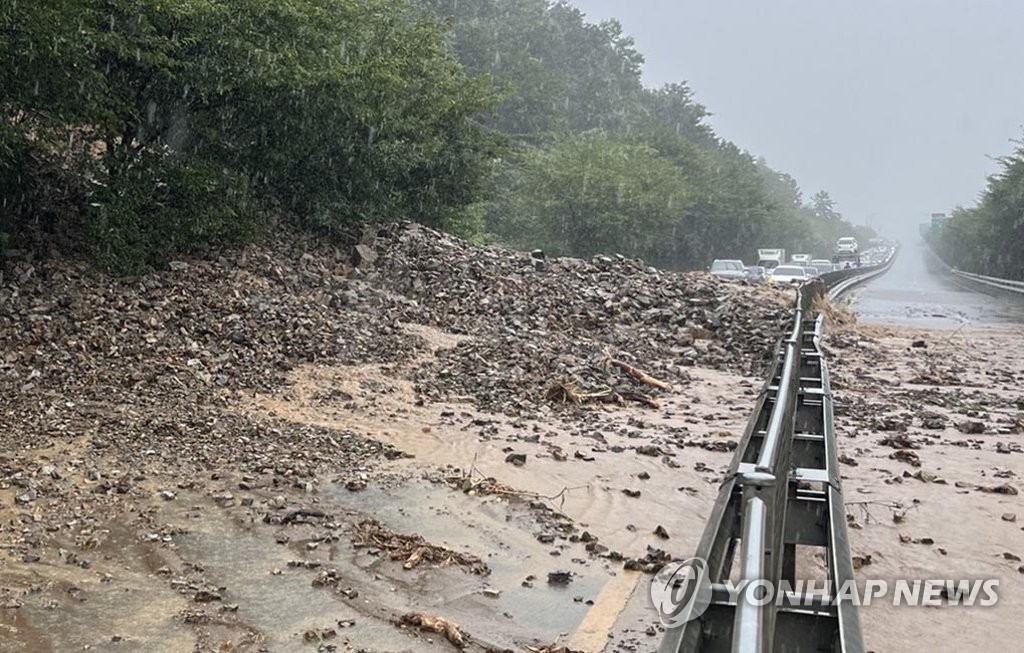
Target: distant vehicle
{"x":756,"y":274}
{"x":841,"y":259}
{"x":788,"y":275}
{"x":769,"y":258}
{"x":729,"y":269}
{"x":823,"y":266}
{"x":801,"y":259}
{"x":812,"y":272}
{"x":847,"y":244}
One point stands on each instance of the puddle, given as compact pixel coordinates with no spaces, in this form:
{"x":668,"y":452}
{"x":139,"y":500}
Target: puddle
{"x":506,"y":541}
{"x":76,"y":609}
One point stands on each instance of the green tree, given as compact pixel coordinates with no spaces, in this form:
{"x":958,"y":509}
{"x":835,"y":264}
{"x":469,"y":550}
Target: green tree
{"x":329,"y":111}
{"x":989,"y":238}
{"x":589,"y":194}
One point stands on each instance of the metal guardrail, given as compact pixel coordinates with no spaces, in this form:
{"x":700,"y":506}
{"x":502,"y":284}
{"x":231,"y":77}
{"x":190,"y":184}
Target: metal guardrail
{"x":1008,"y":285}
{"x":781,"y":497}
{"x":974,"y":281}
{"x":842,"y":281}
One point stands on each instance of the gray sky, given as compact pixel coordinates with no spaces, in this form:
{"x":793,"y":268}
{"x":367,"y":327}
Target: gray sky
{"x":891,"y":105}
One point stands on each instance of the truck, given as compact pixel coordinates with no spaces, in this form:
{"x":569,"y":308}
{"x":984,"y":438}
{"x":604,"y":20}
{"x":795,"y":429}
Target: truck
{"x":771,"y":258}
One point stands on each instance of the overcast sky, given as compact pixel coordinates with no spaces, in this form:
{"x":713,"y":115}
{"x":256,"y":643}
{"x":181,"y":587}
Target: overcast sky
{"x":893,"y":106}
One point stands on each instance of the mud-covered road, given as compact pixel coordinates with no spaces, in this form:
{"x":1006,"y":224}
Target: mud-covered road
{"x":917,"y":292}
{"x":931,"y":384}
{"x":411,"y":444}
{"x":307,"y":449}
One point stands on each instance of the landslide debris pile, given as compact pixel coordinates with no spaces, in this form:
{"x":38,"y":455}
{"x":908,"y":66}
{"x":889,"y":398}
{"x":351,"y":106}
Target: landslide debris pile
{"x":150,"y":363}
{"x":537,"y":323}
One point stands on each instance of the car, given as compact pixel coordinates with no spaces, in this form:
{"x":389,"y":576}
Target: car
{"x":788,"y":275}
{"x":756,"y":274}
{"x":812,"y":272}
{"x":800,"y":259}
{"x":728,"y":269}
{"x":847,"y":244}
{"x":822,"y":265}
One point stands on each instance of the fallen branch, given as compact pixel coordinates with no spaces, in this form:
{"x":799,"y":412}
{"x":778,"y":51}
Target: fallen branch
{"x":438,"y":625}
{"x":413,"y":549}
{"x":570,"y":392}
{"x":636,"y":373}
{"x":639,"y":397}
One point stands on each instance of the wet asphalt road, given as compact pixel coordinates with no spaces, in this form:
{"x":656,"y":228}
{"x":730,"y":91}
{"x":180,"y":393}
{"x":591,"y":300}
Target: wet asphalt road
{"x":916,"y":292}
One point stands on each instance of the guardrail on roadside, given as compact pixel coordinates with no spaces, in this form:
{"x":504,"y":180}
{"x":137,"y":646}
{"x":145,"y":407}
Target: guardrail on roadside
{"x":842,"y":281}
{"x":1007,"y":285}
{"x":977,"y":281}
{"x":782,"y":494}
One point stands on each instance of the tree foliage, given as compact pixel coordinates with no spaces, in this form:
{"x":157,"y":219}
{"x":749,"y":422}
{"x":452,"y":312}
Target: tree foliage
{"x":566,"y":80}
{"x":989,"y":238}
{"x":138,"y":129}
{"x":186,"y":120}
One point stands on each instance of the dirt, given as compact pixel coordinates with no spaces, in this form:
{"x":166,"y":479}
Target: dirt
{"x":953,"y":399}
{"x":187,"y":458}
{"x":275,"y":450}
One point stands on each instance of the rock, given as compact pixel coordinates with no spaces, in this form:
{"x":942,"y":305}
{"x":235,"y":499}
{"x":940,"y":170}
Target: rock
{"x":26,"y":497}
{"x":1005,"y":488}
{"x":661,"y":532}
{"x":899,"y":441}
{"x":971,"y":427}
{"x":363,"y":256}
{"x":634,"y":494}
{"x":517,"y":459}
{"x":1010,"y":517}
{"x":652,"y":561}
{"x":559,"y":577}
{"x":909,"y":457}
{"x":355,"y":485}
{"x":224,"y":499}
{"x":919,"y":344}
{"x":206,"y":596}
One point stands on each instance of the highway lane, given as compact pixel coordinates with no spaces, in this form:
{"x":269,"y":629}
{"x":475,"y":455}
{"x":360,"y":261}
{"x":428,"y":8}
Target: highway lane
{"x":916,"y":293}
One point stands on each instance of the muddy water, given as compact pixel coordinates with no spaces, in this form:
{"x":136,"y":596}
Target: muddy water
{"x":587,"y":487}
{"x":116,"y":603}
{"x":577,"y":465}
{"x":505,"y":538}
{"x":915,"y":293}
{"x":126,"y":601}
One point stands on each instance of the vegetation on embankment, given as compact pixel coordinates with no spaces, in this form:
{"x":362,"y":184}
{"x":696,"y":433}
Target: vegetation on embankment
{"x":135,"y":131}
{"x":988,"y":238}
